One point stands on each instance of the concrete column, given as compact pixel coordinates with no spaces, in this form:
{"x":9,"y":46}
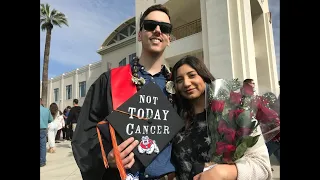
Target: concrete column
{"x":141,"y":6}
{"x":62,"y":97}
{"x":216,"y":38}
{"x":227,"y":36}
{"x":271,"y":54}
{"x":204,"y":25}
{"x":263,"y":69}
{"x":76,"y":85}
{"x":247,"y":41}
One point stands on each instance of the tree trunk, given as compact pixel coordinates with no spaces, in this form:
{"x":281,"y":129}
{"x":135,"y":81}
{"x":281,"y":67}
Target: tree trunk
{"x":46,"y":67}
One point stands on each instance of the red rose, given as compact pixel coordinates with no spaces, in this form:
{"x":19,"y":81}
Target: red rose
{"x":233,"y":114}
{"x":229,"y":135}
{"x":222,"y":126}
{"x":222,"y":147}
{"x":235,"y":98}
{"x":227,"y":157}
{"x":266,"y":115}
{"x":260,"y":102}
{"x":226,"y":150}
{"x":247,"y":90}
{"x":243,"y":132}
{"x":217,"y":106}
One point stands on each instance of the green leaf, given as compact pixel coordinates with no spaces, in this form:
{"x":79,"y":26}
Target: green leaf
{"x":247,"y":142}
{"x":214,"y":135}
{"x":252,"y":141}
{"x":244,"y":119}
{"x":240,"y":151}
{"x":216,"y":158}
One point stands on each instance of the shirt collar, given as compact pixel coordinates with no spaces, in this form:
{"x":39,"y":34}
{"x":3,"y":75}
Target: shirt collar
{"x":141,"y":68}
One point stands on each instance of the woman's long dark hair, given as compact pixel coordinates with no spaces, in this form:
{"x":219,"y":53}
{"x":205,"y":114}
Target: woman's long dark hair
{"x":184,"y":105}
{"x":54,"y":110}
{"x":66,"y":109}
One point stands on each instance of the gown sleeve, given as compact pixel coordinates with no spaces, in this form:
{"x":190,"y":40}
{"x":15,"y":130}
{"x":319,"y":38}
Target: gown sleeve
{"x":85,"y":144}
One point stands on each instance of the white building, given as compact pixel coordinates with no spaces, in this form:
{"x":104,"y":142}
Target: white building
{"x":234,"y":38}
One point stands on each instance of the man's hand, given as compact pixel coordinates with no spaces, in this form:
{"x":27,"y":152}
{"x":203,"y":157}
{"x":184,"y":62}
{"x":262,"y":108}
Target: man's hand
{"x":126,"y":154}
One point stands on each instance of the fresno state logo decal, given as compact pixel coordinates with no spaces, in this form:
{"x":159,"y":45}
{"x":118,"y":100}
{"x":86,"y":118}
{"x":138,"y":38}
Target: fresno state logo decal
{"x":132,"y":177}
{"x":148,"y":146}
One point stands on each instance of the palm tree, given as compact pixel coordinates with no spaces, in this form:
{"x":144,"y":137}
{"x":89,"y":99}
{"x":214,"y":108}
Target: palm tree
{"x":48,"y":19}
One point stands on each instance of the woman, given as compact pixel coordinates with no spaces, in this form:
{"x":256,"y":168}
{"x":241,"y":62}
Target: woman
{"x":60,"y":127}
{"x":54,"y":126}
{"x":66,"y":134}
{"x":191,"y":144}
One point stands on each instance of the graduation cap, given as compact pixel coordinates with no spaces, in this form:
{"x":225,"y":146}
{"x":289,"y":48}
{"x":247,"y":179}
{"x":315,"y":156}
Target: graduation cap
{"x":148,"y":117}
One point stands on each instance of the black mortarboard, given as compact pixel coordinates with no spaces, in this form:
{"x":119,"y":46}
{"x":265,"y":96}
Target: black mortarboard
{"x":153,"y":134}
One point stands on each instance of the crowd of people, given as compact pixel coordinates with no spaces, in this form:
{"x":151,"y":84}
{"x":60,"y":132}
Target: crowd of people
{"x":55,"y":124}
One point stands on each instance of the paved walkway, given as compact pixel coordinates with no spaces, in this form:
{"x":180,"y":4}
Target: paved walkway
{"x":61,"y":165}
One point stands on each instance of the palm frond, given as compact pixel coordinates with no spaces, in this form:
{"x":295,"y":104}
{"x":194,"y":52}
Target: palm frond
{"x":50,"y":18}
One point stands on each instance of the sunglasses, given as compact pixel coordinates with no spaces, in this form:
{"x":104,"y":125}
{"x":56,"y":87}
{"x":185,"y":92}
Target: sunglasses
{"x":150,"y":25}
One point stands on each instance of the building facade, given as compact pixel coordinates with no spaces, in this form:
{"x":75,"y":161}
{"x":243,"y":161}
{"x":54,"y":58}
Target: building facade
{"x":233,"y":38}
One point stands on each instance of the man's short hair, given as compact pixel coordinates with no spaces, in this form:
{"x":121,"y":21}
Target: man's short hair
{"x":247,"y":81}
{"x":75,"y":101}
{"x":157,"y":7}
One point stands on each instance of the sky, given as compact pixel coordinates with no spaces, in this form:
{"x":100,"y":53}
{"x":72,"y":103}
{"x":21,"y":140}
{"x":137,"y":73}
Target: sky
{"x":90,"y":23}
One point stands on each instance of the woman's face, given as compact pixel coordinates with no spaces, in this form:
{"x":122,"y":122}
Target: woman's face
{"x":188,"y":83}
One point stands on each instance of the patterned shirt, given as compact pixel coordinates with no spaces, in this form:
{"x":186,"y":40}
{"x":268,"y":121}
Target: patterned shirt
{"x":191,"y":146}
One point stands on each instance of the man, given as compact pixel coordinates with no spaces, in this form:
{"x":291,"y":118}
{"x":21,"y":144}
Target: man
{"x":45,"y":118}
{"x":154,"y":34}
{"x":250,"y":82}
{"x":248,"y":87}
{"x":66,"y":129}
{"x":73,"y":116}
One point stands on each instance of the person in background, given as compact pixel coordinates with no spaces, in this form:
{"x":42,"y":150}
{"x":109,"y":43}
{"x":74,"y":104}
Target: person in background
{"x":45,"y":119}
{"x":73,"y":116}
{"x":54,"y":126}
{"x":250,"y":82}
{"x":61,"y":125}
{"x":65,"y":129}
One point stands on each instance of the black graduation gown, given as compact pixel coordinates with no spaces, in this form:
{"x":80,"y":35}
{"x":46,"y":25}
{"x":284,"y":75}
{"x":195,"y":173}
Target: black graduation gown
{"x":85,"y":144}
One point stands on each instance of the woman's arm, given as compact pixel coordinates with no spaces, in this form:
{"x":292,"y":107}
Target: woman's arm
{"x":62,"y":121}
{"x":254,"y":165}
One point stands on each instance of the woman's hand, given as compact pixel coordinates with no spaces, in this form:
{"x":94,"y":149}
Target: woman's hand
{"x":219,"y":172}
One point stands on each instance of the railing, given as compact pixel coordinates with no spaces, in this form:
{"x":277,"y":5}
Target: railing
{"x":185,"y":30}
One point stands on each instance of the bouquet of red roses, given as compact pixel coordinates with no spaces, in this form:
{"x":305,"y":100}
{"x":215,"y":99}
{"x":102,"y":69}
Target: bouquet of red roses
{"x":233,"y":115}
